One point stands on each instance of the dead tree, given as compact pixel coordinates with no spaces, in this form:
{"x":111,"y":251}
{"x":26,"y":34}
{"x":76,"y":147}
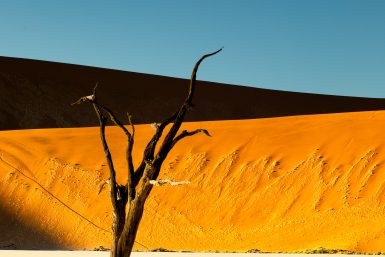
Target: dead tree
{"x":128,"y":200}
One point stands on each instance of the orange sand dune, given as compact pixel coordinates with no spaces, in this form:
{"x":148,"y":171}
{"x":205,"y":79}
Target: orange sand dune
{"x":277,"y":184}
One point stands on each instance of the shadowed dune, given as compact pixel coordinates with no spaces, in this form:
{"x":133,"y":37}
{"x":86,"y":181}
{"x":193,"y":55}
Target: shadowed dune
{"x":17,"y":233}
{"x":37,"y":94}
{"x":276,"y":184}
{"x":32,"y":184}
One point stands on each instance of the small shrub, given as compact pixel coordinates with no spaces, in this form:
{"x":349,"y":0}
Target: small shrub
{"x":161,"y":250}
{"x":322,"y":250}
{"x":254,"y":251}
{"x":100,"y":248}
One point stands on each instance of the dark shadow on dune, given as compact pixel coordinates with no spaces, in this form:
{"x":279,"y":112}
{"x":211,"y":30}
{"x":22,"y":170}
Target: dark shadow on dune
{"x":17,"y":234}
{"x":37,"y":94}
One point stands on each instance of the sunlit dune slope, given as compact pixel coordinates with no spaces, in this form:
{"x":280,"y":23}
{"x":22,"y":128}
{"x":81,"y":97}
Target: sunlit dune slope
{"x":278,"y":184}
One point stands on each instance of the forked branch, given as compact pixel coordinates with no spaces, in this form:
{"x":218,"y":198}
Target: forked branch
{"x":126,"y":218}
{"x":167,"y":143}
{"x":113,"y":184}
{"x":99,"y":109}
{"x":148,"y":155}
{"x":186,"y":133}
{"x":177,"y":118}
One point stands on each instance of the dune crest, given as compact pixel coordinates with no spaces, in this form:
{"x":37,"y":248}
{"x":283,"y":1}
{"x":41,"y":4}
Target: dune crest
{"x":277,"y":184}
{"x":149,"y":98}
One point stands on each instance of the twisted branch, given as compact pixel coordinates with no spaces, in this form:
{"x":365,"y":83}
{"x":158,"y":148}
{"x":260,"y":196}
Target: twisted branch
{"x":187,"y":105}
{"x":130,"y":137}
{"x":186,"y":133}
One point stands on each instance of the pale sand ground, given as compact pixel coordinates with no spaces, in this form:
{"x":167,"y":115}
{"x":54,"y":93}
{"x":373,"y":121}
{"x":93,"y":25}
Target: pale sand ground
{"x":280,"y":184}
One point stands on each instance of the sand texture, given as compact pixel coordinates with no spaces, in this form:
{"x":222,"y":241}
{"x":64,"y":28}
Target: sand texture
{"x":276,"y":184}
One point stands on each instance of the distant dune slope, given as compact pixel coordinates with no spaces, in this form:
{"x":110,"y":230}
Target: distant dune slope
{"x":277,"y":184}
{"x":37,"y":94}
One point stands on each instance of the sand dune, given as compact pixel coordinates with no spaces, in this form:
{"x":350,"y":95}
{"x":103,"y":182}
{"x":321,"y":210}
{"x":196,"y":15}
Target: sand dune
{"x":276,"y":184}
{"x":37,"y":94}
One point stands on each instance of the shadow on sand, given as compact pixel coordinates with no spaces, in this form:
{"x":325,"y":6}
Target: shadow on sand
{"x":37,"y":94}
{"x":17,"y":234}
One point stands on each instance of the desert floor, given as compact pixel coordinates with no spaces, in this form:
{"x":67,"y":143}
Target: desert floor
{"x":277,"y":184}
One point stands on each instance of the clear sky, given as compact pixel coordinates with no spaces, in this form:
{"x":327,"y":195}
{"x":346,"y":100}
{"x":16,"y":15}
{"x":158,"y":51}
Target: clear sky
{"x":320,"y":46}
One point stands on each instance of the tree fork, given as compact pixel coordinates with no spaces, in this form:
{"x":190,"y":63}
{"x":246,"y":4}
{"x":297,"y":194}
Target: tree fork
{"x":126,"y":219}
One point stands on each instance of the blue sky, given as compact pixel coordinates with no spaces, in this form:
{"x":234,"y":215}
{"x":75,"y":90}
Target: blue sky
{"x":320,"y":46}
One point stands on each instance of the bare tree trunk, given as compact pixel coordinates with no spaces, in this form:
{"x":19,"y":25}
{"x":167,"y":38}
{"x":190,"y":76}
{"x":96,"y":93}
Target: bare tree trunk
{"x":125,"y":225}
{"x":134,"y":216}
{"x":118,"y":221}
